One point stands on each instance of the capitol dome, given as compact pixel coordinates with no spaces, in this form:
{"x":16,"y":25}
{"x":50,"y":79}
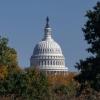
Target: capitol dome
{"x":47,"y":54}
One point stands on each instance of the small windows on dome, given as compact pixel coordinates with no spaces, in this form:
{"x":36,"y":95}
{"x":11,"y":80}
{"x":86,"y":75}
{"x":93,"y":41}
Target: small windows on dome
{"x":48,"y":50}
{"x":44,"y":62}
{"x":42,"y":50}
{"x":47,"y":62}
{"x":51,"y":62}
{"x":54,"y":62}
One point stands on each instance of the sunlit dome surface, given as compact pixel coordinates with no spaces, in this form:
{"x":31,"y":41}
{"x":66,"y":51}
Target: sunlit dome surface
{"x":47,"y":54}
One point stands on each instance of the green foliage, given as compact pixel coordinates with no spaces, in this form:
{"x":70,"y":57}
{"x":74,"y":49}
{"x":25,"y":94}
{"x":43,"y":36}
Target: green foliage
{"x":12,"y":85}
{"x":90,"y":67}
{"x":7,"y":55}
{"x":92,"y":30}
{"x":29,"y":85}
{"x":37,"y":85}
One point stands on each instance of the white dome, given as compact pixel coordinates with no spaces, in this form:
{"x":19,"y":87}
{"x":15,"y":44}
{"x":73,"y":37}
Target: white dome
{"x":47,"y":54}
{"x":47,"y":47}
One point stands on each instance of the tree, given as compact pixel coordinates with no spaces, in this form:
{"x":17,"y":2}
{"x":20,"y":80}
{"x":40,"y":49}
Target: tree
{"x":9,"y":70}
{"x":6,"y":52}
{"x":37,"y":85}
{"x":89,"y":68}
{"x":8,"y":56}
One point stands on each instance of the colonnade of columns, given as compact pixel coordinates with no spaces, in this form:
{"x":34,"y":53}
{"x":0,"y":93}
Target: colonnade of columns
{"x":56,"y":72}
{"x":49,"y":62}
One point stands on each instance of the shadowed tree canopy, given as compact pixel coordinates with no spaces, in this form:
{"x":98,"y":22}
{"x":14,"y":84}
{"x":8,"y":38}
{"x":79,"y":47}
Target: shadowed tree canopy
{"x":90,"y":67}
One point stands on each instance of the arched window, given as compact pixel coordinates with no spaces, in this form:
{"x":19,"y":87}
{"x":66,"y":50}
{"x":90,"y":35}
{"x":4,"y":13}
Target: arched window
{"x":47,"y":62}
{"x":54,"y":62}
{"x":60,"y":62}
{"x":51,"y":62}
{"x":42,"y":62}
{"x":43,"y":50}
